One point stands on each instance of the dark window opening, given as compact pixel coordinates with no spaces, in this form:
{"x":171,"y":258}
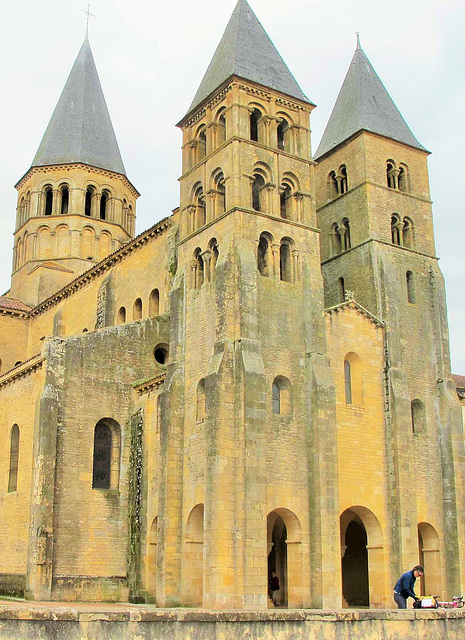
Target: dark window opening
{"x":254,"y":118}
{"x":48,"y":202}
{"x":14,"y":458}
{"x":102,"y":457}
{"x":88,"y":204}
{"x":64,"y":200}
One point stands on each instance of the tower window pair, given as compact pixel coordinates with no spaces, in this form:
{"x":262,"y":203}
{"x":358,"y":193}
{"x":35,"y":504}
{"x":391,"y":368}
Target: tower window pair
{"x":402,"y":233}
{"x":396,"y":176}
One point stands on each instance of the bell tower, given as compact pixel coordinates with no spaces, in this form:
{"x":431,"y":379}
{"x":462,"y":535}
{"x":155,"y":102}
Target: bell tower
{"x":75,"y":204}
{"x":248,"y":270}
{"x":377,"y":241}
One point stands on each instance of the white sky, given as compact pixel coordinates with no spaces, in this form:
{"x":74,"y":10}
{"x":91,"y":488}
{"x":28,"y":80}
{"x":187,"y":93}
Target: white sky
{"x":151,"y":57}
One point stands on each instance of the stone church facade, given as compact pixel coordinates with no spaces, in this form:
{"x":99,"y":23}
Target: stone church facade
{"x":260,"y":382}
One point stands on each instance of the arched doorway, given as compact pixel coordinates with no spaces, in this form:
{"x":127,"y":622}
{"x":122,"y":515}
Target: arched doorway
{"x":285,"y":556}
{"x":193,"y":558}
{"x":362,"y":559}
{"x":355,"y":585}
{"x":430,"y":558}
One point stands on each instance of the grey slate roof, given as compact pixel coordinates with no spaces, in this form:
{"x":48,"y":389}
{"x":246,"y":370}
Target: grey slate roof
{"x":80,"y":129}
{"x":363,"y":103}
{"x":245,"y":50}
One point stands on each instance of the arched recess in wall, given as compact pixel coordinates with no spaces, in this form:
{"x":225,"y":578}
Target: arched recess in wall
{"x":264,"y":254}
{"x":154,"y":303}
{"x":193,"y":558}
{"x":198,"y":269}
{"x":107,"y":442}
{"x":218,"y":192}
{"x":221,"y":126}
{"x":283,"y":133}
{"x":90,"y":192}
{"x":431,"y":559}
{"x":137,"y":309}
{"x":353,"y":379}
{"x":88,"y":243}
{"x":409,"y":278}
{"x":214,"y":255}
{"x":396,"y":229}
{"x":121,"y":315}
{"x":201,"y":401}
{"x":152,"y":553}
{"x":286,"y":260}
{"x":284,"y":538}
{"x":407,"y":233}
{"x":336,"y":239}
{"x":62,"y":240}
{"x":44,"y":242}
{"x":14,"y":459}
{"x":104,"y":245}
{"x":254,"y":124}
{"x":281,"y":396}
{"x":363,"y":559}
{"x":417,"y":409}
{"x":48,"y":200}
{"x":104,"y":205}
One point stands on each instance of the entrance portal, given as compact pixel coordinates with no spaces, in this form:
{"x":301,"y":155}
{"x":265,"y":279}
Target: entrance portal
{"x":277,"y":557}
{"x":355,"y":587}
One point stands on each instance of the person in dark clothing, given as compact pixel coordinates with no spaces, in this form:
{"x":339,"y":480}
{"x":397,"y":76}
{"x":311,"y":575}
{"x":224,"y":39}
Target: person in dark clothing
{"x":273,"y":586}
{"x":405,"y":584}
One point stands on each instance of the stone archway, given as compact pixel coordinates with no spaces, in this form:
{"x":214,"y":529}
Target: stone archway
{"x":285,"y":556}
{"x":430,"y":558}
{"x":362,"y":559}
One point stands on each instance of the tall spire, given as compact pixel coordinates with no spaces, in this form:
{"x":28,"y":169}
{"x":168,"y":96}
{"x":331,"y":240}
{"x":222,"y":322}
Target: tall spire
{"x":80,"y":129}
{"x":245,"y":50}
{"x":363,"y":103}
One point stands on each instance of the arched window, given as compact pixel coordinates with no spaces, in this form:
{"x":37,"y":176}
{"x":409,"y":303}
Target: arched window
{"x":219,"y":193}
{"x":333,"y":185}
{"x":283,"y":135}
{"x":254,"y":120}
{"x":199,"y":270}
{"x":121,"y":316}
{"x":213,"y":246}
{"x":257,"y":191}
{"x":14,"y":459}
{"x":336,"y":240}
{"x":199,"y":199}
{"x":391,"y":177}
{"x":395,"y":230}
{"x":137,"y":309}
{"x":106,"y":454}
{"x":343,"y":174}
{"x":410,"y":287}
{"x":201,"y":146}
{"x":64,"y":199}
{"x":154,"y":303}
{"x":201,"y":400}
{"x":285,"y":260}
{"x":353,"y":379}
{"x":286,"y":201}
{"x":281,"y":396}
{"x":346,"y":234}
{"x":48,"y":192}
{"x":341,"y":289}
{"x":264,"y":255}
{"x":418,"y":416}
{"x":402,"y":179}
{"x":104,"y":205}
{"x":221,"y":127}
{"x":88,"y":203}
{"x":407,"y":233}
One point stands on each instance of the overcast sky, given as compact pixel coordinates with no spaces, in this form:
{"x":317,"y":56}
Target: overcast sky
{"x":151,"y":57}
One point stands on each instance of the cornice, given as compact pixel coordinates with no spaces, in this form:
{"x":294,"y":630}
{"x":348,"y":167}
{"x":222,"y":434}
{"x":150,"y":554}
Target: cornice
{"x":77,"y":165}
{"x":148,"y":385}
{"x":28,"y":366}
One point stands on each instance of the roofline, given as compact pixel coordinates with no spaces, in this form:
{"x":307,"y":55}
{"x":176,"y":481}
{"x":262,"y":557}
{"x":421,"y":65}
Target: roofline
{"x":351,"y":303}
{"x":223,"y":86}
{"x":77,"y":164}
{"x":374,"y":133}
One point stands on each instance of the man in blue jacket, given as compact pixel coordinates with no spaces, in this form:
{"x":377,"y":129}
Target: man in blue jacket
{"x":405,"y":584}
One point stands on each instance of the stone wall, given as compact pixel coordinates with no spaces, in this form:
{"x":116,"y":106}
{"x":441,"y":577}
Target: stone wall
{"x":137,"y":623}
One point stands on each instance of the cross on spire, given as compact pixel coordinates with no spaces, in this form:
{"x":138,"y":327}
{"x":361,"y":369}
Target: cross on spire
{"x":88,"y":14}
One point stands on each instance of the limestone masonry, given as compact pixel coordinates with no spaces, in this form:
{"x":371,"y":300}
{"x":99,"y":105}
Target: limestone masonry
{"x":258,"y":383}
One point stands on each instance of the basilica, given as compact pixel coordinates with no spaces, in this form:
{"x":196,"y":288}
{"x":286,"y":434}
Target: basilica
{"x":258,"y":383}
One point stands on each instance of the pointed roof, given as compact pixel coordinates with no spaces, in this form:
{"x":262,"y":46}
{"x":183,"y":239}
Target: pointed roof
{"x":363,"y":103}
{"x":245,"y":50}
{"x":80,"y":129}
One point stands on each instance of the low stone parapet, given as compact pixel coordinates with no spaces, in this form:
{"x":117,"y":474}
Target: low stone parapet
{"x":44,"y":621}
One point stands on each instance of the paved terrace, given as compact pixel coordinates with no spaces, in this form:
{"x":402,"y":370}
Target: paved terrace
{"x":20,"y":620}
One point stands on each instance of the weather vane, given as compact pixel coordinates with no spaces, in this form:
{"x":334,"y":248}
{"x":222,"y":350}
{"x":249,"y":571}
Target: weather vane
{"x":88,"y":14}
